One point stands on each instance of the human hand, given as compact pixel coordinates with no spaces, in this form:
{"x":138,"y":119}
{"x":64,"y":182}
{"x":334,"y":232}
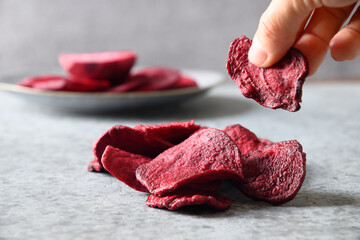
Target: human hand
{"x":282,"y":26}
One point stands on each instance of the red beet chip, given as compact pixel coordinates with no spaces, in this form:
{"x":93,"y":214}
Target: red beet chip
{"x":56,"y":81}
{"x":98,"y":84}
{"x":206,"y":156}
{"x":184,"y":82}
{"x":158,"y":78}
{"x":274,"y":173}
{"x":264,"y":142}
{"x":187,"y":197}
{"x":123,"y":165}
{"x":114,"y":66}
{"x":131,"y":84}
{"x":129,"y":140}
{"x":175,"y":132}
{"x":279,"y":86}
{"x":246,"y":140}
{"x":60,"y":83}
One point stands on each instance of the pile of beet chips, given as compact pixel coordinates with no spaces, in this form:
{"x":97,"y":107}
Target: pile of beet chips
{"x":183,"y":164}
{"x":108,"y":72}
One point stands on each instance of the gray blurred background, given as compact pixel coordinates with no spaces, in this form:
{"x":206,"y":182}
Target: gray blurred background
{"x":177,"y":33}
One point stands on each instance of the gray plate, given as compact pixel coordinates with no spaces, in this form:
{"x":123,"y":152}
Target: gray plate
{"x":104,"y":101}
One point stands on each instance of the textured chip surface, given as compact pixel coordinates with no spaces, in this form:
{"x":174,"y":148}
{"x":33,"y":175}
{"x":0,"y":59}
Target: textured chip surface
{"x":279,"y":86}
{"x":174,"y":132}
{"x":205,"y":156}
{"x":274,"y":173}
{"x":246,"y":140}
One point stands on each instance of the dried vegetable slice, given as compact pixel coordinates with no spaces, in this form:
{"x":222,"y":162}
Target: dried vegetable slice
{"x":123,"y":165}
{"x":205,"y":156}
{"x":274,"y":173}
{"x":246,"y":140}
{"x":114,"y":66}
{"x":279,"y":86}
{"x":189,"y":197}
{"x":60,"y":83}
{"x":131,"y":84}
{"x":184,"y":82}
{"x":158,"y":78}
{"x":129,"y":140}
{"x":174,"y":133}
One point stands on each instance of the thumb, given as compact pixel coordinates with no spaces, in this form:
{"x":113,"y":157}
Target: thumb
{"x":278,"y":29}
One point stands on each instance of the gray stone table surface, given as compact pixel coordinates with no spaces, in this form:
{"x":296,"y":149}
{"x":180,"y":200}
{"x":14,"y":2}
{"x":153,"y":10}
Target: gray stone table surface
{"x":46,"y":191}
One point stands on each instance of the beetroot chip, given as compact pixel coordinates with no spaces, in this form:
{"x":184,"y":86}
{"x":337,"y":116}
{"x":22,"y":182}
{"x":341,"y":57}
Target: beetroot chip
{"x":33,"y":80}
{"x":274,"y":173}
{"x":158,"y":78}
{"x":184,"y":82}
{"x":123,"y":165}
{"x":206,"y":156}
{"x":60,"y":83}
{"x":95,"y":165}
{"x":129,"y":140}
{"x":264,"y":142}
{"x":97,"y":84}
{"x":114,"y":66}
{"x":189,"y":197}
{"x":132,"y":83}
{"x":279,"y":86}
{"x":246,"y":140}
{"x":174,"y":133}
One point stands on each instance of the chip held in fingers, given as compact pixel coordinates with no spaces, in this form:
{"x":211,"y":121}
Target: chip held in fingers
{"x":278,"y":86}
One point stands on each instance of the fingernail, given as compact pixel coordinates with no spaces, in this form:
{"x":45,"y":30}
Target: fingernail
{"x":257,"y":54}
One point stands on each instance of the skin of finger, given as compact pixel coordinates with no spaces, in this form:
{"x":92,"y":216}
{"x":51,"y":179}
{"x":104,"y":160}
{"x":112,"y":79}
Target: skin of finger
{"x":314,"y":41}
{"x":302,"y":26}
{"x":279,"y":26}
{"x":345,"y":45}
{"x":281,"y":23}
{"x":326,"y":21}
